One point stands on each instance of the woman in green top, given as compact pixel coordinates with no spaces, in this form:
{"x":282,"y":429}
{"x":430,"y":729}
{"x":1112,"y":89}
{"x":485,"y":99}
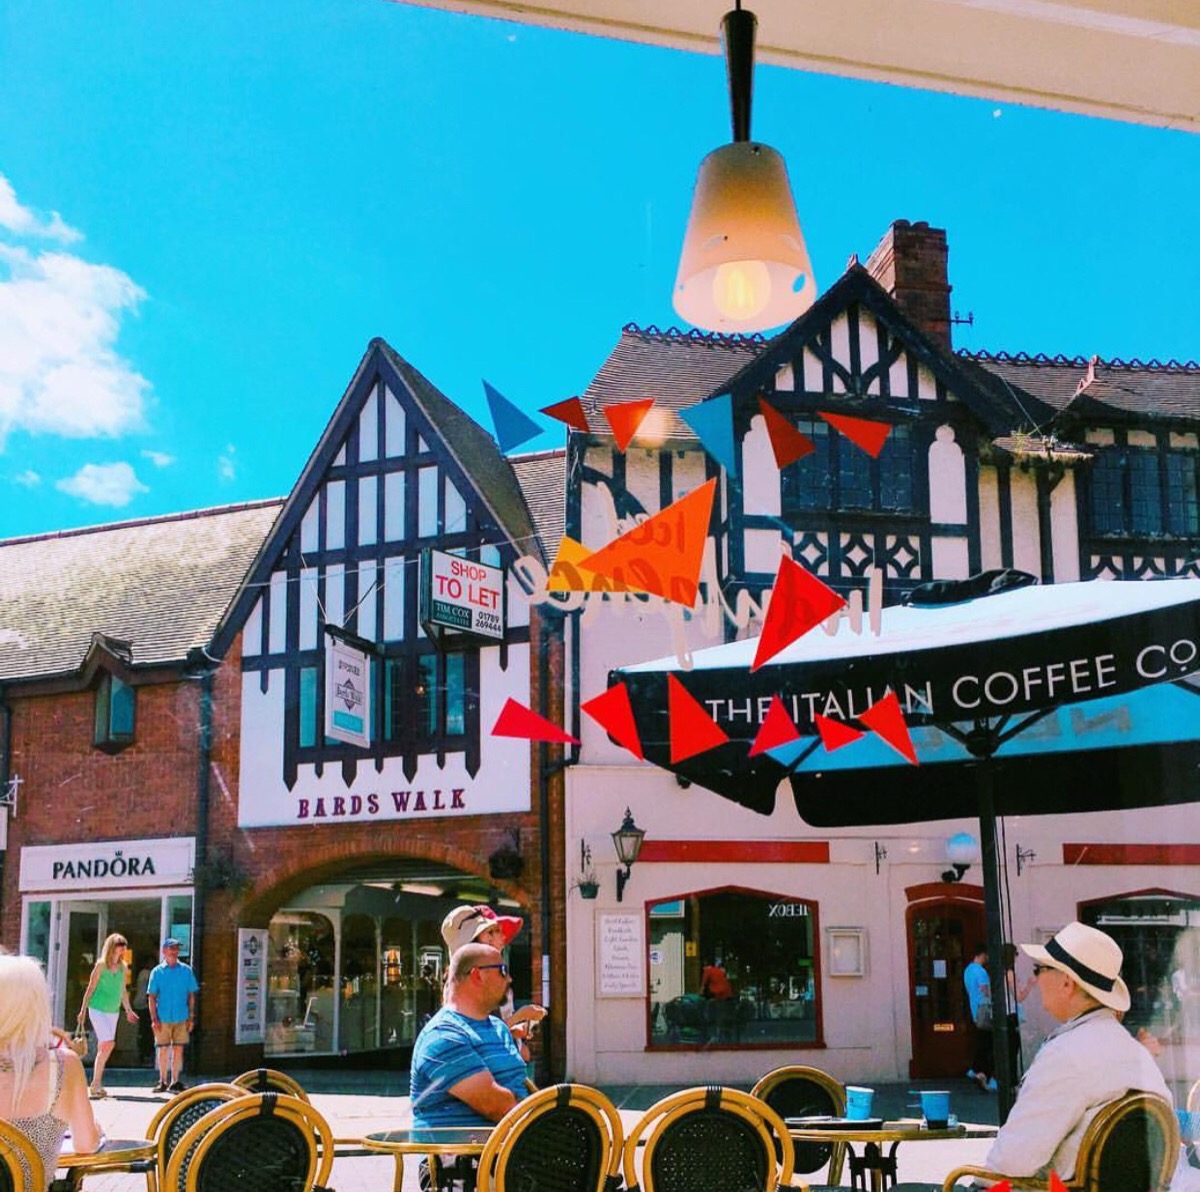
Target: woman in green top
{"x":106,"y":993}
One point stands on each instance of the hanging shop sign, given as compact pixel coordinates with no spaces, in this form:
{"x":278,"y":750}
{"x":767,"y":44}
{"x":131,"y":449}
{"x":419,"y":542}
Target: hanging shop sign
{"x":462,"y":596}
{"x":251,"y":985}
{"x":112,"y":864}
{"x":347,"y":693}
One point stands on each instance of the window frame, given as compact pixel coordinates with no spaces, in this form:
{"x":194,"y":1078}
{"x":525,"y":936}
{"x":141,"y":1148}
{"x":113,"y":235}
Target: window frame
{"x":1119,"y":466}
{"x":105,"y":735}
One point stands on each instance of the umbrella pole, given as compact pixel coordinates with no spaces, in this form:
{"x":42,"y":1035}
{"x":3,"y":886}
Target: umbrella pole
{"x":986,"y":786}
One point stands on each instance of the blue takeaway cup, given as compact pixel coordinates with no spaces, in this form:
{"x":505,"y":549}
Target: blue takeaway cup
{"x":858,"y":1102}
{"x":935,"y":1105}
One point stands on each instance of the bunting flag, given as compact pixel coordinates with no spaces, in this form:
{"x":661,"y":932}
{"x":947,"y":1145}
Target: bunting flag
{"x":787,"y":442}
{"x":570,"y":412}
{"x":613,"y":712}
{"x":516,"y":720}
{"x":862,"y":432}
{"x":835,"y":734}
{"x":799,"y":601}
{"x":513,"y":426}
{"x":663,"y":554}
{"x":712,"y":420}
{"x":885,"y":719}
{"x":625,"y":419}
{"x":568,"y":575}
{"x":777,"y":729}
{"x":693,"y":730}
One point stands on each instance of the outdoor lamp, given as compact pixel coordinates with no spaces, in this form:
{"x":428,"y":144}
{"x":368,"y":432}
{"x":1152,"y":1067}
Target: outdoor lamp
{"x":627,"y":840}
{"x":962,"y":851}
{"x":744,"y":265}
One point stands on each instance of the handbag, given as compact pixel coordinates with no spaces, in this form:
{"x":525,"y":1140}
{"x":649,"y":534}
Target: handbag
{"x":79,"y":1041}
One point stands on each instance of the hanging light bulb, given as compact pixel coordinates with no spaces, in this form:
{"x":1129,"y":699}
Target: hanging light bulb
{"x":744,"y":264}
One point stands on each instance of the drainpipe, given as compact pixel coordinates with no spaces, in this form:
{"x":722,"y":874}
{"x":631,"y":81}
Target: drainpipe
{"x":5,"y":774}
{"x":203,"y":669}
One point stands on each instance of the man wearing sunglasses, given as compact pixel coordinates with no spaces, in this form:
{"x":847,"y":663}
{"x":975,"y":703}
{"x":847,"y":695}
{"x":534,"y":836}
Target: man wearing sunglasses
{"x":467,"y":1069}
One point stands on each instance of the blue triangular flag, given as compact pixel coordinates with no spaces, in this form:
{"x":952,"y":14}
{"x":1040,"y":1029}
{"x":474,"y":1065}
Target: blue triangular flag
{"x":513,"y":426}
{"x":712,"y":421}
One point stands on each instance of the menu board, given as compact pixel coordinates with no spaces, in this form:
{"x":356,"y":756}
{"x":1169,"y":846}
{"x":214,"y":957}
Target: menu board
{"x":251,"y":985}
{"x":620,"y":956}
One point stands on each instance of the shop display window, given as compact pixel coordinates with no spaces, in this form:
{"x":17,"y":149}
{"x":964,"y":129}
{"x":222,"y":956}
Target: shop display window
{"x":300,"y":990}
{"x":733,"y":968}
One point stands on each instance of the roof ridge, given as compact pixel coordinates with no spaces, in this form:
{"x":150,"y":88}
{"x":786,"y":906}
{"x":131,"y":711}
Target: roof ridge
{"x":545,"y":453}
{"x":694,"y":335}
{"x":131,"y":523}
{"x":1115,"y":362}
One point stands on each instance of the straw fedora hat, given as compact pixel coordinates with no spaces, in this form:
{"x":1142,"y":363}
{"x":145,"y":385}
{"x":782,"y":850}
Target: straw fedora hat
{"x":1090,"y":958}
{"x":465,"y":924}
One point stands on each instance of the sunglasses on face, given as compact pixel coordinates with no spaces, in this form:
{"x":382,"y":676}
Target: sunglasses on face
{"x":502,"y":967}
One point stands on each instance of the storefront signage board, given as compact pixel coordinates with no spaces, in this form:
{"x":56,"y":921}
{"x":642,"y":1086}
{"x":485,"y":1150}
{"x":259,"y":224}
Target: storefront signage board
{"x":620,"y":956}
{"x":112,"y":864}
{"x":462,"y":596}
{"x":251,"y":985}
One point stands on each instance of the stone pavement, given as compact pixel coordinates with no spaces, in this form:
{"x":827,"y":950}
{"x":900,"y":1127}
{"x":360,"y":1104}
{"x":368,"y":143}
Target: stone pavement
{"x":358,"y":1103}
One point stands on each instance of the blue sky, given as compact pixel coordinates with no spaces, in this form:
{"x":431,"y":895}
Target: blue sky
{"x":207,"y":211}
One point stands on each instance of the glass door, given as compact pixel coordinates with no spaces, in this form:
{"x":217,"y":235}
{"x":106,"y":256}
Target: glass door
{"x":82,"y":929}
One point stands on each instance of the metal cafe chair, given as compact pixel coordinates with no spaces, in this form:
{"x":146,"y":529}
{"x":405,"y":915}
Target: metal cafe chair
{"x":1131,"y":1145}
{"x":799,"y":1091}
{"x":706,"y":1138}
{"x":566,"y":1138}
{"x":20,"y":1164}
{"x":268,"y":1080}
{"x":266,"y":1141}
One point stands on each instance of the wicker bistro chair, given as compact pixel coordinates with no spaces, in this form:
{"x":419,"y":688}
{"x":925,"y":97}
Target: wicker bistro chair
{"x":708,"y":1138}
{"x":269,"y":1142}
{"x":566,"y":1138}
{"x":798,"y":1091}
{"x":268,"y":1080}
{"x":20,"y":1164}
{"x":1131,"y":1145}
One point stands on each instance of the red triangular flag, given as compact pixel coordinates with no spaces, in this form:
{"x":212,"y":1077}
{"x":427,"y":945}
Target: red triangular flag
{"x":787,"y":442}
{"x":798,"y":602}
{"x":693,"y":730}
{"x":868,"y":435}
{"x":835,"y":734}
{"x":663,"y":554}
{"x":626,"y":418}
{"x":569,"y":411}
{"x":516,"y":720}
{"x":613,"y":712}
{"x":1056,"y":1184}
{"x":777,"y":729}
{"x":885,"y":719}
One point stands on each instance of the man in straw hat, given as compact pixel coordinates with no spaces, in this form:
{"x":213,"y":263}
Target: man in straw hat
{"x":1086,"y":1061}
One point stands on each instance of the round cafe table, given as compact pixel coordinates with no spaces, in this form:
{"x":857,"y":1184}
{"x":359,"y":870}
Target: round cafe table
{"x":880,"y":1166}
{"x":441,"y":1140}
{"x":114,"y":1154}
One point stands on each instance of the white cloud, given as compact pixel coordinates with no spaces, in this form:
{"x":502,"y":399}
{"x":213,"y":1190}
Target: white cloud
{"x":160,"y":459}
{"x":104,"y":484}
{"x":227,"y":463}
{"x":24,"y":222}
{"x":28,"y":479}
{"x":60,"y":316}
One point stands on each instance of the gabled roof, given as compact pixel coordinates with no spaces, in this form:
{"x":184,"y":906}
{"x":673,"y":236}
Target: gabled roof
{"x":542,"y":476}
{"x":159,"y":585}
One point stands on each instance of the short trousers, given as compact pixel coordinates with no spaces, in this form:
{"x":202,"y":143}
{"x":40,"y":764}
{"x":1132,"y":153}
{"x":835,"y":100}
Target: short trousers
{"x":168,"y":1034}
{"x":104,"y":1024}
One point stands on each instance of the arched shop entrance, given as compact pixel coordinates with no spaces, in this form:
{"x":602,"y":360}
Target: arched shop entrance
{"x":355,"y":964}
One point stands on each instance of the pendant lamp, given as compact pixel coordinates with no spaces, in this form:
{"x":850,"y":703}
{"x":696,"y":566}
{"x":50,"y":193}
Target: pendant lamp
{"x":744,"y":265}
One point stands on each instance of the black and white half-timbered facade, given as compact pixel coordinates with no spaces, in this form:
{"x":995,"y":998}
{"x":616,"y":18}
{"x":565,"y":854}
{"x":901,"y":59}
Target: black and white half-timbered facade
{"x":849,"y":942}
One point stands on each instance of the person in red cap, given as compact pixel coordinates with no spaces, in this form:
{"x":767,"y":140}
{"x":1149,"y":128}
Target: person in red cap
{"x":481,"y":925}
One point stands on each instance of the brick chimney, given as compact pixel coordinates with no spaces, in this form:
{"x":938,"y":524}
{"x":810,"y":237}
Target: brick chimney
{"x":910,"y":263}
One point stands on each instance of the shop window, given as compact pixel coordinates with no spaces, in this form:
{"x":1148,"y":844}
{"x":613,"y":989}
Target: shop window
{"x":839,"y":475}
{"x":116,"y":703}
{"x":300,"y":993}
{"x":1159,"y":934}
{"x":733,"y":968}
{"x":358,"y":1025}
{"x":434,"y":699}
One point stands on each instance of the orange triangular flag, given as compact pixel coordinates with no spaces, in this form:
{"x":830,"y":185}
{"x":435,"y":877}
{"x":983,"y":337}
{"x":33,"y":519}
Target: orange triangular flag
{"x":664,"y":553}
{"x":885,"y":719}
{"x":516,"y":720}
{"x":798,"y":602}
{"x":835,"y":734}
{"x":868,"y":435}
{"x":787,"y":442}
{"x":693,"y":730}
{"x":777,"y":729}
{"x":613,"y":712}
{"x":569,"y":411}
{"x":567,"y":574}
{"x":626,"y":418}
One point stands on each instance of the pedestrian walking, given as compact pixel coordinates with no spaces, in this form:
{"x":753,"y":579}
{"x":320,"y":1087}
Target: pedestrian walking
{"x":105,"y":995}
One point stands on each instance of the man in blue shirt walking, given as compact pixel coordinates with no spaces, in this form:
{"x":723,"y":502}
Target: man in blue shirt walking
{"x":171,"y":996}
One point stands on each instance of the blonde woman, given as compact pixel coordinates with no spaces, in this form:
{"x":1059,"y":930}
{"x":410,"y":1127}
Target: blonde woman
{"x":43,"y":1090}
{"x":106,"y":993}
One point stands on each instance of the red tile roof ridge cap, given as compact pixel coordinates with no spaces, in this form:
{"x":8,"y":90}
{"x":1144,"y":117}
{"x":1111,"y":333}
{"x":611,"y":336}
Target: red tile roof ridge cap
{"x":695,"y":335}
{"x":981,"y":356}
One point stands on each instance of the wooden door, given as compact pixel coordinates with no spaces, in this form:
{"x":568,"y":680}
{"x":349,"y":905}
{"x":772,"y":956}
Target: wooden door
{"x":942,"y":934}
